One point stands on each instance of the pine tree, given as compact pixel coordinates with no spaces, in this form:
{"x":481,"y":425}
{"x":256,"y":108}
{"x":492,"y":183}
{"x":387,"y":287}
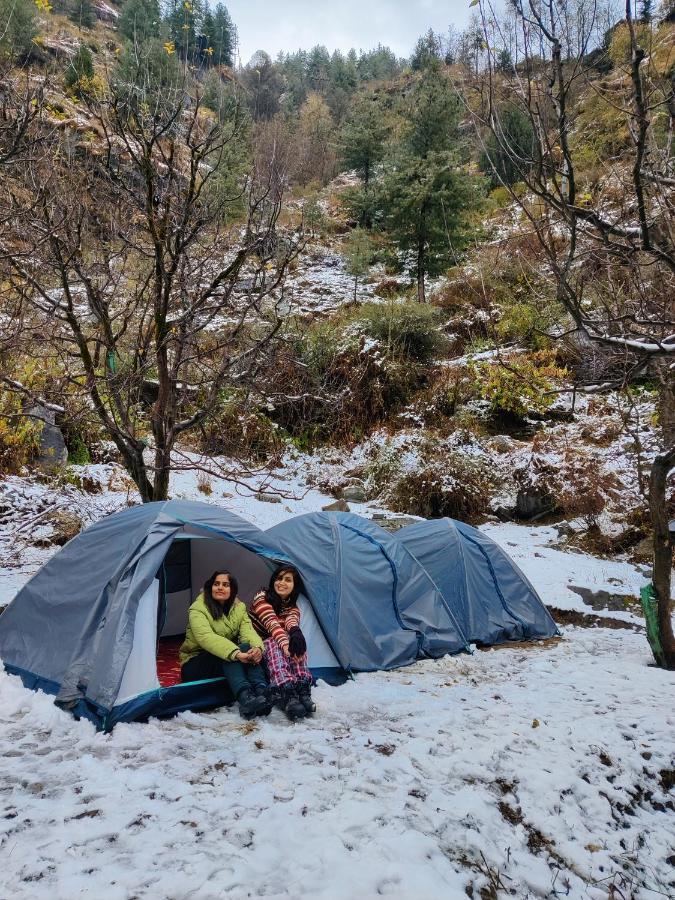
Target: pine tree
{"x":363,"y":137}
{"x":508,"y":158}
{"x":318,"y":65}
{"x":184,"y":23}
{"x":81,"y":12}
{"x":358,"y":254}
{"x":425,"y":194}
{"x":427,"y":51}
{"x":80,"y":69}
{"x":139,"y":20}
{"x":342,"y":82}
{"x":17,"y":28}
{"x":222,"y":36}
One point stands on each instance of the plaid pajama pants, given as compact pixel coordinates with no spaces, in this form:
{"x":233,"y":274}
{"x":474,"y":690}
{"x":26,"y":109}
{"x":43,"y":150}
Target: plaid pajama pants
{"x":284,"y":669}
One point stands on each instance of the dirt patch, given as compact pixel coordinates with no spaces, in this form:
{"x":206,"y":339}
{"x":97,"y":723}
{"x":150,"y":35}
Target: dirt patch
{"x":512,"y":814}
{"x":588,"y":620}
{"x":522,"y":645}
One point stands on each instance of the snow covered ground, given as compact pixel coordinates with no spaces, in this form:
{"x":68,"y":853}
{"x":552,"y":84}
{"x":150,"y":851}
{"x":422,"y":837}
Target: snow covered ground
{"x":535,"y":771}
{"x":527,"y":771}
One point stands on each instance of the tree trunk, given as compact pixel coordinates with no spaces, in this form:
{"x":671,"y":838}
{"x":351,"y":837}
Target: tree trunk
{"x":666,"y":402}
{"x":663,"y":551}
{"x":162,"y":473}
{"x":421,"y":295}
{"x":135,"y":466}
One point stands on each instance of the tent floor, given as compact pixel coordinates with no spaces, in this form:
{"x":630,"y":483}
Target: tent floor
{"x":168,"y":662}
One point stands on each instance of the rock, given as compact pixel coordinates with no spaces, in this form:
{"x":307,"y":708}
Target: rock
{"x":65,"y":525}
{"x":392,"y":525}
{"x":340,"y":505}
{"x":356,"y":492}
{"x":503,"y":513}
{"x":568,"y":529}
{"x":533,"y":501}
{"x":52,"y":453}
{"x":500,"y":443}
{"x":104,"y":12}
{"x":601,"y":600}
{"x":267,"y":498}
{"x":644,"y":550}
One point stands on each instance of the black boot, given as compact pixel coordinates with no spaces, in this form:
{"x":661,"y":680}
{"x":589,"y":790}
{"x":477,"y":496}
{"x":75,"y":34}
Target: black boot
{"x":305,"y":697}
{"x":249,"y":704}
{"x":263,"y":692}
{"x":291,"y":705}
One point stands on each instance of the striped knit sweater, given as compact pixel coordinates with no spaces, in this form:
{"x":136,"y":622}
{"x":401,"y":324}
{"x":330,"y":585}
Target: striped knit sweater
{"x":270,"y":625}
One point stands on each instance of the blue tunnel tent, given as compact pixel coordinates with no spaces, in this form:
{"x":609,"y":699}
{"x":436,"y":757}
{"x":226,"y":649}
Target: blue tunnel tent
{"x":491,"y":598}
{"x":377,"y":606}
{"x":86,"y":626}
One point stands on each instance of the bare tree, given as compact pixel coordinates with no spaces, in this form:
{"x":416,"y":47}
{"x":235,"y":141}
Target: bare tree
{"x":609,"y":245}
{"x":152,"y":296}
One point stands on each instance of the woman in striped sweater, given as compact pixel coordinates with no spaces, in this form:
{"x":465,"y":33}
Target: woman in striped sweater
{"x":276,"y":618}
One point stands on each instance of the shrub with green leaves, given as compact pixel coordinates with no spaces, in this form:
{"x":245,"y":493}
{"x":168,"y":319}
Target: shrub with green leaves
{"x":80,"y":71}
{"x":518,"y":384}
{"x":405,"y":329}
{"x":19,"y":434}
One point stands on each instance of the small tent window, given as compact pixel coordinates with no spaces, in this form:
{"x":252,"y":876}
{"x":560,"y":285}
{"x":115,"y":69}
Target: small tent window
{"x":178,"y":568}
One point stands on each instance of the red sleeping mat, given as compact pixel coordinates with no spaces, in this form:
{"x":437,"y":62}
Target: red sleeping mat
{"x":168,"y":663}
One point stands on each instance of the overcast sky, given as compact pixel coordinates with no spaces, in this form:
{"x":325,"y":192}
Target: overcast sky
{"x":290,"y":25}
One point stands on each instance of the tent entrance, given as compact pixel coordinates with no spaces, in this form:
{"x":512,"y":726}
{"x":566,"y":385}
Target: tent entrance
{"x":191,"y":560}
{"x":161,"y":619}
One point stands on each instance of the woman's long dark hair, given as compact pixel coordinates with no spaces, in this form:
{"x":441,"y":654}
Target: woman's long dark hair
{"x":220,"y":609}
{"x":298,"y":588}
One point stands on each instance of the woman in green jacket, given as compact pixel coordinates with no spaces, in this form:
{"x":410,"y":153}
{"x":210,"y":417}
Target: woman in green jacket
{"x":221,"y":641}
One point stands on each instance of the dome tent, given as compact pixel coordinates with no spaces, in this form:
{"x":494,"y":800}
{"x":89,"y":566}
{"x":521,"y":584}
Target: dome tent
{"x":491,"y":598}
{"x":86,"y":626}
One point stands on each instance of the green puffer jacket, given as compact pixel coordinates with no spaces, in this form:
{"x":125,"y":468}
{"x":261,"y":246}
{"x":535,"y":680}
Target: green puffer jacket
{"x":221,"y":637}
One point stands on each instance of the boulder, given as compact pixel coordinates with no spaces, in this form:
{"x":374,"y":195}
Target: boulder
{"x":532,"y":501}
{"x":602,"y":600}
{"x":644,"y":550}
{"x":340,"y":505}
{"x":500,"y":443}
{"x":52,"y":451}
{"x":268,"y":498}
{"x":65,"y":525}
{"x":356,"y":492}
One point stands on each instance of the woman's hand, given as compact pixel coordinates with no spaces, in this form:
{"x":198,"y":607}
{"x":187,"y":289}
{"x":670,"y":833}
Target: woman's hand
{"x":252,"y":656}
